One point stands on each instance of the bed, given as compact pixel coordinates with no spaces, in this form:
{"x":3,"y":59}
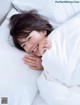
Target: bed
{"x":16,"y":78}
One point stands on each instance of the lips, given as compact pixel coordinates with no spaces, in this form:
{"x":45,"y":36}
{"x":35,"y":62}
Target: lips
{"x":36,"y":50}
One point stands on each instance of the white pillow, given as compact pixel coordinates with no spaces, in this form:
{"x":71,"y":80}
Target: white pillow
{"x":5,"y":6}
{"x":56,"y":12}
{"x":64,"y":11}
{"x":44,"y":7}
{"x":17,"y":80}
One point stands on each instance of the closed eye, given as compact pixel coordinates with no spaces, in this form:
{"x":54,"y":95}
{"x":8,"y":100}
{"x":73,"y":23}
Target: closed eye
{"x":23,"y":45}
{"x":29,"y":38}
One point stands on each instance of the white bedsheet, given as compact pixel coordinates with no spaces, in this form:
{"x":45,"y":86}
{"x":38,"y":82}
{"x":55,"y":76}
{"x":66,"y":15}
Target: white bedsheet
{"x":60,"y":79}
{"x":39,"y":101}
{"x":62,"y":61}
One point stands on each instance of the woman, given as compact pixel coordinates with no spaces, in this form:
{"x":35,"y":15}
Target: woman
{"x":29,"y":32}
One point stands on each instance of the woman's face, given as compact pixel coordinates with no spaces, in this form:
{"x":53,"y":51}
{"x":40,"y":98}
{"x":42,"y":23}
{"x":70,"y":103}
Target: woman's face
{"x":31,"y":43}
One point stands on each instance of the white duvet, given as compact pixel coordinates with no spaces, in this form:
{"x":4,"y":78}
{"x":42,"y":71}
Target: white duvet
{"x":60,"y":80}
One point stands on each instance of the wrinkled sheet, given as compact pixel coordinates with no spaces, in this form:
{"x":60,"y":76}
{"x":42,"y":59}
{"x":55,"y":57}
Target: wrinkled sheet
{"x":60,"y":79}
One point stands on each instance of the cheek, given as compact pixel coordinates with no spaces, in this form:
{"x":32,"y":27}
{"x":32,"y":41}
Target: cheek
{"x":26,"y":49}
{"x":36,"y":39}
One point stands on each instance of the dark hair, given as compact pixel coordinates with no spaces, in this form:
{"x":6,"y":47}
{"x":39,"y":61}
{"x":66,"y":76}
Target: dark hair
{"x":22,"y":24}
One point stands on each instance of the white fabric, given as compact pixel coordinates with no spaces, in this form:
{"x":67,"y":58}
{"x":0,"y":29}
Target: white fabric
{"x":62,"y":61}
{"x":55,"y":93}
{"x":44,"y":8}
{"x":63,"y":11}
{"x":39,"y":101}
{"x":61,"y":76}
{"x":12,"y":12}
{"x":57,"y":13}
{"x":5,"y":6}
{"x":17,"y":80}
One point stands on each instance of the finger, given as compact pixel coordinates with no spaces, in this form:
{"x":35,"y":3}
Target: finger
{"x":45,"y":41}
{"x":47,"y":46}
{"x":34,"y":68}
{"x":31,"y":63}
{"x":30,"y":58}
{"x":34,"y":59}
{"x":43,"y":51}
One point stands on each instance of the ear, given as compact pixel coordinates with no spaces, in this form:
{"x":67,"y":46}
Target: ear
{"x":45,"y":33}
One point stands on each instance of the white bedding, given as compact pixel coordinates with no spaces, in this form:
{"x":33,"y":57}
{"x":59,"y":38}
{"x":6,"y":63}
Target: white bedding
{"x":39,"y":101}
{"x":17,"y":80}
{"x":61,"y":76}
{"x":62,"y":61}
{"x":57,"y":13}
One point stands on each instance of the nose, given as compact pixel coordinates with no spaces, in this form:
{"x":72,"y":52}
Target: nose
{"x":30,"y":48}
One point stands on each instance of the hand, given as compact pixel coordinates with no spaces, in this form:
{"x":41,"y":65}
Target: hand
{"x":44,"y":45}
{"x":34,"y":62}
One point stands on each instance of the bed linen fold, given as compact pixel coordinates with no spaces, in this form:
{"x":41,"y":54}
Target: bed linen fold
{"x":59,"y":83}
